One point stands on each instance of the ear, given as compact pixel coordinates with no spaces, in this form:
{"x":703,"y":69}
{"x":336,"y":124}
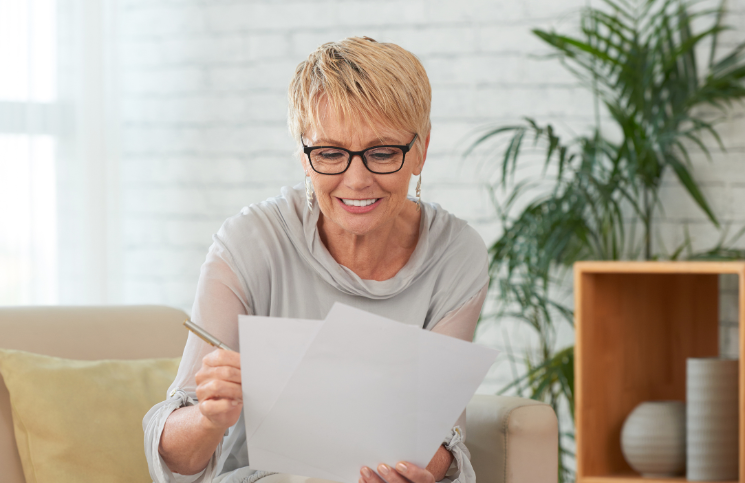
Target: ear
{"x":418,"y":168}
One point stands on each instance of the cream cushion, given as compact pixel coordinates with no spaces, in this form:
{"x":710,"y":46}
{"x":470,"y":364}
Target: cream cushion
{"x":83,"y":333}
{"x":81,"y":421}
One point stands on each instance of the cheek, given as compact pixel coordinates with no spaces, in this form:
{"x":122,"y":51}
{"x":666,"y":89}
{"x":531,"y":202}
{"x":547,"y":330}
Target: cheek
{"x":323,"y":186}
{"x":401,"y":187}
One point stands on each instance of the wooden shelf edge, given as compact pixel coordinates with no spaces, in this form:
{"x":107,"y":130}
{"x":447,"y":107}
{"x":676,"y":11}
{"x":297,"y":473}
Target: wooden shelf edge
{"x":660,"y":267}
{"x":628,"y":478}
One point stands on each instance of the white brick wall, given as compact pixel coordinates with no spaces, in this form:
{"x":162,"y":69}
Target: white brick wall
{"x":204,"y":133}
{"x":728,"y":317}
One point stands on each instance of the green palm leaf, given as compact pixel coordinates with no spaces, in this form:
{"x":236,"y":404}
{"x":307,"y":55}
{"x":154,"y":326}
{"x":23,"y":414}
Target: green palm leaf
{"x":639,"y":58}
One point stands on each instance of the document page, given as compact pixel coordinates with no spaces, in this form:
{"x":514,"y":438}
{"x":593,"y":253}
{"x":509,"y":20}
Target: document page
{"x":353,"y":390}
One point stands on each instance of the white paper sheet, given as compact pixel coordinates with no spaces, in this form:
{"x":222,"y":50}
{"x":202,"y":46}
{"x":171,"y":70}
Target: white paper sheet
{"x":271,"y":349}
{"x":354,"y":390}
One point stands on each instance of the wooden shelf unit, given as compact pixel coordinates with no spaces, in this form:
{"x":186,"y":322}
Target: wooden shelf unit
{"x":636,"y":324}
{"x":635,"y":478}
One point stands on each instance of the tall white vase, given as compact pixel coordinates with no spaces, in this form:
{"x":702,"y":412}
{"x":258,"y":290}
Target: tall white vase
{"x":712,"y":419}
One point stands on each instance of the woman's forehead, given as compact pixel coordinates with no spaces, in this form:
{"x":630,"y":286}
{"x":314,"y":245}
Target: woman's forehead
{"x":339,"y":131}
{"x":364,"y":141}
{"x":330,"y":120}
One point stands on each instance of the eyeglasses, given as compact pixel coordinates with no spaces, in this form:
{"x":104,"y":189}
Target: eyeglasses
{"x":377,"y":159}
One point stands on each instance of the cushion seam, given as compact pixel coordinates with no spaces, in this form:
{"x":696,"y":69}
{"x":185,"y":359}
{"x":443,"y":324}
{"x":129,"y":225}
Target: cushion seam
{"x":506,"y":428}
{"x":17,"y":417}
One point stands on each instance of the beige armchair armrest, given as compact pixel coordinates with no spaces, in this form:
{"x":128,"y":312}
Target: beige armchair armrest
{"x":512,"y":440}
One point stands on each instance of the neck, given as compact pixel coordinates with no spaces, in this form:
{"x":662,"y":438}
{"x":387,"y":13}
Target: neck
{"x":377,"y":255}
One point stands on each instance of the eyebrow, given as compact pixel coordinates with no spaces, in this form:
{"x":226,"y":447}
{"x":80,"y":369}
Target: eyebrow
{"x":334,"y":142}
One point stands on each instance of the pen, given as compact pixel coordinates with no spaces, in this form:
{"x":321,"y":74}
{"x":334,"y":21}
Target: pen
{"x":206,"y":336}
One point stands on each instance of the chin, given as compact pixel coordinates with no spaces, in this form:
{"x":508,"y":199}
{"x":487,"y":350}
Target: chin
{"x":357,"y":227}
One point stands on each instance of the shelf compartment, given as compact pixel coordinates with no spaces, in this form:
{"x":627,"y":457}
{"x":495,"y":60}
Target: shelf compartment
{"x":636,"y":324}
{"x":635,"y":478}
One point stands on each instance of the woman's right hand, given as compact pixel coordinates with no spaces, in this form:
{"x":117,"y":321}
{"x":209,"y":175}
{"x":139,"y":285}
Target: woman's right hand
{"x":219,"y":389}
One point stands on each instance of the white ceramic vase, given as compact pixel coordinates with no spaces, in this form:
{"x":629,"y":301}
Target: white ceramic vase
{"x":712,"y":420}
{"x":653,"y":438}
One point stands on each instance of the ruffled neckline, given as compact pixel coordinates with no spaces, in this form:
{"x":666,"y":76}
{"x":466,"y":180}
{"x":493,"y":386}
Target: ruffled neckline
{"x":437,"y":228}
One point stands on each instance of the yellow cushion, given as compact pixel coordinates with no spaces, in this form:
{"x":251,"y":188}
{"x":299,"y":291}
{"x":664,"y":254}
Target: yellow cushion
{"x":80,"y":421}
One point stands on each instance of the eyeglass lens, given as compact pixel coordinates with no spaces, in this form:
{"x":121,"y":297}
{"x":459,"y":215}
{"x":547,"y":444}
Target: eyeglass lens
{"x":379,"y":160}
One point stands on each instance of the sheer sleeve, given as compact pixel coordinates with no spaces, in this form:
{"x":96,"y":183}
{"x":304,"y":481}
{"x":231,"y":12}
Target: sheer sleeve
{"x":461,"y":323}
{"x":220,"y":298}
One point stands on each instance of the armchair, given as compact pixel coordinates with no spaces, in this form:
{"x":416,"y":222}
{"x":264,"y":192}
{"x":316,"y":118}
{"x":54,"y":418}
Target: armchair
{"x":511,"y":440}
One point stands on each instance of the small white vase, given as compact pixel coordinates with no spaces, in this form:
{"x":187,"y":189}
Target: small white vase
{"x":712,"y":421}
{"x":653,"y":438}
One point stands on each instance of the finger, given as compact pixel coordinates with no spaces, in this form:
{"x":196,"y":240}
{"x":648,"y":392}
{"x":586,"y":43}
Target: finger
{"x":369,"y":476}
{"x":215,"y":408}
{"x":217,"y":389}
{"x":391,"y":475}
{"x":414,"y":473}
{"x":224,"y":373}
{"x":221,"y":413}
{"x":220,"y":357}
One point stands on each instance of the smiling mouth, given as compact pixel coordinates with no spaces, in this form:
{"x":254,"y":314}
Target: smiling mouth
{"x":367,"y":202}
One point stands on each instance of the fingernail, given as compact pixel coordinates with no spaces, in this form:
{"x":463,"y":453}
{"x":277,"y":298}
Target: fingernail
{"x":366,"y":472}
{"x":383,"y":469}
{"x":401,"y":467}
{"x":234,"y":402}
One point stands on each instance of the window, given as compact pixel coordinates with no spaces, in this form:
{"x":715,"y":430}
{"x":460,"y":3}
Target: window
{"x":28,"y":232}
{"x":58,"y":169}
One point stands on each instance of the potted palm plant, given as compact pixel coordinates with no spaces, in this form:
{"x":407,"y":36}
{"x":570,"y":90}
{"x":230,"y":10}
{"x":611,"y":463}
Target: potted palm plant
{"x":597,"y":197}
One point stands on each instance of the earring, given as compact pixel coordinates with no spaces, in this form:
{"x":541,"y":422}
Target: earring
{"x":309,"y":192}
{"x":419,"y":193}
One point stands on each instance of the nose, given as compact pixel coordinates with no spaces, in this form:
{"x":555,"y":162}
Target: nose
{"x":357,"y":176}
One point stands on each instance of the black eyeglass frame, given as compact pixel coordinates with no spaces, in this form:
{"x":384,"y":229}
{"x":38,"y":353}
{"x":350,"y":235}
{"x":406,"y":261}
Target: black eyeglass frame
{"x":405,"y":149}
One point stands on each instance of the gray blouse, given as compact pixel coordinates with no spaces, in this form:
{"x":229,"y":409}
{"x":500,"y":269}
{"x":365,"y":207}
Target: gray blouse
{"x":269,"y":260}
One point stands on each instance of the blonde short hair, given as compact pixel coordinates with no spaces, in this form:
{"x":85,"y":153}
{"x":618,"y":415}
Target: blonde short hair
{"x":363,"y":81}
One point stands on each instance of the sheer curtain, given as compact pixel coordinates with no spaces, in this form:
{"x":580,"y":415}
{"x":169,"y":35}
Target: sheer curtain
{"x":58,"y":153}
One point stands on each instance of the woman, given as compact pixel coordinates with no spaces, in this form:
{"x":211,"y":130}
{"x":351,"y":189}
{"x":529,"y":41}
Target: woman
{"x":359,"y":111}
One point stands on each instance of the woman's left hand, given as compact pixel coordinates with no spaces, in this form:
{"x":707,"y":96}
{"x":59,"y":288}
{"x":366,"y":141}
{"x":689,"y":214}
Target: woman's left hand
{"x":405,"y":472}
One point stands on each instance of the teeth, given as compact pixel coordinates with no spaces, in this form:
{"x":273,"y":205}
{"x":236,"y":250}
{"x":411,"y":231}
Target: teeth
{"x":359,"y":202}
